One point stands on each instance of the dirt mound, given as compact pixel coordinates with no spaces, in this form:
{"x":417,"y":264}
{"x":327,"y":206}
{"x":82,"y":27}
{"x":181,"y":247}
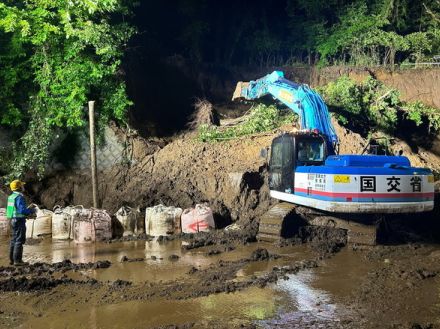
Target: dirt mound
{"x":31,"y":284}
{"x":230,"y":176}
{"x":41,"y":268}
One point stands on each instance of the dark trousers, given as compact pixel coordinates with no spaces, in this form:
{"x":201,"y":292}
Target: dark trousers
{"x":18,"y":226}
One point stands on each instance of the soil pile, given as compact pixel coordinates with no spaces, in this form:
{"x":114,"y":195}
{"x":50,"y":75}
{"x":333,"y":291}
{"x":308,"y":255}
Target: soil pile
{"x":231,"y":176}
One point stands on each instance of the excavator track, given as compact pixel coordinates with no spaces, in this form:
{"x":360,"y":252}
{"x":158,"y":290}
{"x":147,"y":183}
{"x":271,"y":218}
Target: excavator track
{"x":272,"y":224}
{"x":282,"y":219}
{"x":357,"y":232}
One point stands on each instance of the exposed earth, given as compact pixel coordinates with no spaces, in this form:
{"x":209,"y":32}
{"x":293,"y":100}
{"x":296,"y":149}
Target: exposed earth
{"x":222,"y":279}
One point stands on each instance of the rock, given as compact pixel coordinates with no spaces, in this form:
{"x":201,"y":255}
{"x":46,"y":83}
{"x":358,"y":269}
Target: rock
{"x":173,"y":257}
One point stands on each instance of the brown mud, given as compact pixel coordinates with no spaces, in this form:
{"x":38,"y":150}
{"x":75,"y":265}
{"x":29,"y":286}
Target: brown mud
{"x":224,"y":278}
{"x":299,"y":283}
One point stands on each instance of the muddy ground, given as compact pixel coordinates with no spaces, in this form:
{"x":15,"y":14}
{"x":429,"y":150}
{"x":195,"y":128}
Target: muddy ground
{"x":226,"y":280}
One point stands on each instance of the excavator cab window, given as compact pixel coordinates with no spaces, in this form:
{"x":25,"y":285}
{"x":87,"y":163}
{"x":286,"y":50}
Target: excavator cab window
{"x":281,"y":171}
{"x":310,"y":151}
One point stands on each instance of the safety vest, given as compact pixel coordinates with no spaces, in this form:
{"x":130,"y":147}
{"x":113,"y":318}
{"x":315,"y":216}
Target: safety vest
{"x":11,"y":210}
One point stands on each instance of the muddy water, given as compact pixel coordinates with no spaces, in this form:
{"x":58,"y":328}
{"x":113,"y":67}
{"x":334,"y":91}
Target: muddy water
{"x":250,"y":305}
{"x":156,"y":265}
{"x":310,"y":299}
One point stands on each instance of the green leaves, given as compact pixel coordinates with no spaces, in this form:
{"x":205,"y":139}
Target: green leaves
{"x":417,"y":112}
{"x":374,"y":34}
{"x":261,"y":118}
{"x":57,"y":56}
{"x":375,"y":105}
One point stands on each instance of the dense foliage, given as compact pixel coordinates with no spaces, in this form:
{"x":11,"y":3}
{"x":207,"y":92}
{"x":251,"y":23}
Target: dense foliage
{"x":56,"y":55}
{"x":375,"y":105}
{"x":262,"y":118}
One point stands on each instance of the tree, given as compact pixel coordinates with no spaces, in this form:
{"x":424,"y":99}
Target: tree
{"x":59,"y":54}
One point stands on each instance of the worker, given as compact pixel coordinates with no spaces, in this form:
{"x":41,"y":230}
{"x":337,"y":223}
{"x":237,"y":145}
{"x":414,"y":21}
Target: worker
{"x":302,"y":152}
{"x":17,"y":211}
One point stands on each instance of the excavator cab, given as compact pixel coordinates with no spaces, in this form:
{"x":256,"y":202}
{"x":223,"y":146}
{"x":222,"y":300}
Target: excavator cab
{"x":289,"y":151}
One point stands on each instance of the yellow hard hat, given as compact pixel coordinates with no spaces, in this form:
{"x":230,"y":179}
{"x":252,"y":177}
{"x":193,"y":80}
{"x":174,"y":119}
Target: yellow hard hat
{"x":16,"y":185}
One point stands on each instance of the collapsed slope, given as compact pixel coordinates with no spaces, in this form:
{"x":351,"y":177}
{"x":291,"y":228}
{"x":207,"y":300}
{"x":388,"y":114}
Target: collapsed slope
{"x":231,"y":176}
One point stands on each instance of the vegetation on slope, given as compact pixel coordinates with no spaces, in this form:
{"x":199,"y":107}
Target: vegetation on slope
{"x":55,"y":56}
{"x":375,"y":106}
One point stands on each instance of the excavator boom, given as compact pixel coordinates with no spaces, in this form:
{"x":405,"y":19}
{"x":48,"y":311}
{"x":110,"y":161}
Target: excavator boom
{"x":300,"y":98}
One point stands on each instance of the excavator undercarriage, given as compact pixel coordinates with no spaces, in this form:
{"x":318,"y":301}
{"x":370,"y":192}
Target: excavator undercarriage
{"x":283,"y":220}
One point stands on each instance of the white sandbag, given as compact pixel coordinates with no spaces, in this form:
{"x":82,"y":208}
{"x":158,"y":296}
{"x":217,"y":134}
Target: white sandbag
{"x":5,"y":224}
{"x":128,"y":218}
{"x":41,"y":225}
{"x":162,"y":220}
{"x":90,"y":225}
{"x":62,"y":222}
{"x":198,"y":219}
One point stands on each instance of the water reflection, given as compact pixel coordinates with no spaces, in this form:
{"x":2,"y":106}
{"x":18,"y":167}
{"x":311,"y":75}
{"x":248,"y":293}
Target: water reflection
{"x":229,"y":309}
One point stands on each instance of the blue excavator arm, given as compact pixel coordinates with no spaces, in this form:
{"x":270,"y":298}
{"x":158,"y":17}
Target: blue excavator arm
{"x":300,"y":98}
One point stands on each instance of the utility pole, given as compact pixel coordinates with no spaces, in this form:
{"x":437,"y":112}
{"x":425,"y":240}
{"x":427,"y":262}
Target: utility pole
{"x":93,"y":153}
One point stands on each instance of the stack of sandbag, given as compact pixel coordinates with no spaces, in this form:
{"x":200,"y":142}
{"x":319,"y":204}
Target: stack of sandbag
{"x":162,"y":220}
{"x":39,"y":226}
{"x":4,"y":223}
{"x":91,"y":225}
{"x":198,"y":219}
{"x":62,"y":222}
{"x":128,"y":218}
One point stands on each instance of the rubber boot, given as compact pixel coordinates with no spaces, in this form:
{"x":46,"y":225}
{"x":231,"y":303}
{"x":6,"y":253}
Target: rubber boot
{"x":18,"y":255}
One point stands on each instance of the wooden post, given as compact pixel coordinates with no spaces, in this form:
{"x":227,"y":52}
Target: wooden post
{"x":93,"y":153}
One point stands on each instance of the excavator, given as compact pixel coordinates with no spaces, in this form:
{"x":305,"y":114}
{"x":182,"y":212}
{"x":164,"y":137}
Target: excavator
{"x":306,"y":170}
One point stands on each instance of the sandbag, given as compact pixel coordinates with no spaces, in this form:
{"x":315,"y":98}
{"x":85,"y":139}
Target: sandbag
{"x":91,"y":225}
{"x":39,"y":226}
{"x":198,"y":219}
{"x":128,"y":219}
{"x":5,"y":226}
{"x":162,"y":220}
{"x":62,"y":222}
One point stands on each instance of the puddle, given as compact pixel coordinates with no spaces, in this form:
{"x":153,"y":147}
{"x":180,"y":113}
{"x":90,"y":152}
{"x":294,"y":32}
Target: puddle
{"x":159,"y":269}
{"x":306,"y":305}
{"x":305,"y":299}
{"x":234,"y":309}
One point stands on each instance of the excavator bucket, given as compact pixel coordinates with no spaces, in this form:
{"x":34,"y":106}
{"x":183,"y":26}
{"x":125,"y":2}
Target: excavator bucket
{"x":238,"y":90}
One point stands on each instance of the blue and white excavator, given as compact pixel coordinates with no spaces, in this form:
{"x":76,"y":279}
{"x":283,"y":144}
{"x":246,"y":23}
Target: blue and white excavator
{"x":305,"y":169}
